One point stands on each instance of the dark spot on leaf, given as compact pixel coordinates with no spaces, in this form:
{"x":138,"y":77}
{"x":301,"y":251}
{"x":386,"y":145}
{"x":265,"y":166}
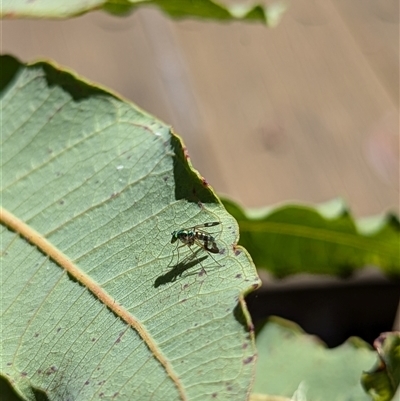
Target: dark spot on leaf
{"x":214,"y":395}
{"x":185,"y":286}
{"x":245,"y":345}
{"x":238,"y":276}
{"x":115,"y":395}
{"x":101,"y":383}
{"x":50,"y":371}
{"x":184,"y":300}
{"x":251,"y":327}
{"x":229,"y":388}
{"x":93,"y":339}
{"x":87,"y":382}
{"x":101,"y":395}
{"x":9,"y":363}
{"x":165,"y":179}
{"x":186,"y":153}
{"x":255,"y":286}
{"x":59,"y":329}
{"x":61,"y":202}
{"x":237,"y":252}
{"x":36,"y":334}
{"x":248,"y":360}
{"x":204,"y":181}
{"x":39,"y":371}
{"x":24,"y":374}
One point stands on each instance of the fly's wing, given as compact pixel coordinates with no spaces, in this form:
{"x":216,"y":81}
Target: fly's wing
{"x":211,"y":224}
{"x":208,"y":243}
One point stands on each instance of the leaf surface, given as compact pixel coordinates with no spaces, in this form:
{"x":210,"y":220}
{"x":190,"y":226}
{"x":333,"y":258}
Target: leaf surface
{"x":324,"y":239}
{"x":96,"y":302}
{"x":383,"y":381}
{"x":298,"y":366}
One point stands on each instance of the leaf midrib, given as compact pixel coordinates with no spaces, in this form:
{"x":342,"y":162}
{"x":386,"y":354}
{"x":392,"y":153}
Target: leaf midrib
{"x":36,"y":239}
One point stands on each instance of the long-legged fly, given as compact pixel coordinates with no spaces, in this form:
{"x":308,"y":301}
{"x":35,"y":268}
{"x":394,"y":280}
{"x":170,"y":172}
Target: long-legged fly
{"x":197,"y":236}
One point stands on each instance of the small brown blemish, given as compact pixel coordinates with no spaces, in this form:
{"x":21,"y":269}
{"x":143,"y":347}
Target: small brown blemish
{"x":61,"y":202}
{"x":24,"y":374}
{"x":237,"y":252}
{"x":238,"y":276}
{"x":115,"y":395}
{"x":52,"y":370}
{"x":248,"y":360}
{"x":93,"y":339}
{"x":118,"y":340}
{"x":229,"y":388}
{"x":59,"y":329}
{"x":186,"y":153}
{"x":214,"y":395}
{"x":87,"y":382}
{"x":204,"y":181}
{"x":251,"y":327}
{"x":36,"y":335}
{"x":245,"y":345}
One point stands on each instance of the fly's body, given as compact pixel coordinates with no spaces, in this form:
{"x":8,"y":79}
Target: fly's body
{"x":196,"y":236}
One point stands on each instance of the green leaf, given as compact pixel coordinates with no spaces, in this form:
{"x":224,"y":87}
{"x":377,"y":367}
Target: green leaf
{"x":204,"y":9}
{"x":96,"y":302}
{"x":383,"y":381}
{"x":325,"y":239}
{"x":293,"y":364}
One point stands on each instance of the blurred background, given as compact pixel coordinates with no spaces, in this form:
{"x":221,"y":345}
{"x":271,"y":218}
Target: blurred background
{"x":306,"y":111}
{"x":303,"y":112}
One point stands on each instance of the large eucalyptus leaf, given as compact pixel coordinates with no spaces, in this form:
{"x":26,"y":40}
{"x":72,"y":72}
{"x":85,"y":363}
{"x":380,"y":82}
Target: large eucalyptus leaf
{"x":96,"y":302}
{"x":324,"y":239}
{"x":298,"y":366}
{"x":204,"y":9}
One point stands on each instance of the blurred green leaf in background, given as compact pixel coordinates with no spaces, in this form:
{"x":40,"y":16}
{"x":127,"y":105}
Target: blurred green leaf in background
{"x":325,"y":239}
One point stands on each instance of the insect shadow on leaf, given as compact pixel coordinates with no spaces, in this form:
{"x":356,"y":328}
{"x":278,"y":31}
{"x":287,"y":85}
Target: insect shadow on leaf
{"x":202,"y":241}
{"x":178,"y":269}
